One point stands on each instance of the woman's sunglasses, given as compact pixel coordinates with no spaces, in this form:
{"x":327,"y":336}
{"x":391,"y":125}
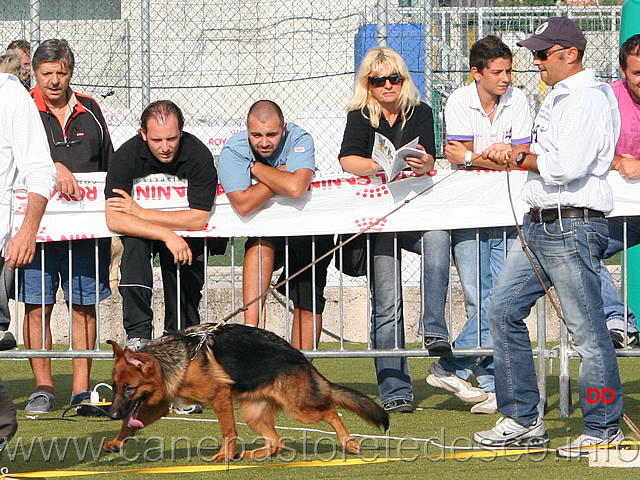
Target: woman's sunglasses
{"x":394,"y":79}
{"x":542,"y":55}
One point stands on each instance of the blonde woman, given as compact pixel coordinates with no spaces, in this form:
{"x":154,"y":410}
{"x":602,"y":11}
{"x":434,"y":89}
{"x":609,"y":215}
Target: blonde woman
{"x":10,"y":63}
{"x":387,"y":101}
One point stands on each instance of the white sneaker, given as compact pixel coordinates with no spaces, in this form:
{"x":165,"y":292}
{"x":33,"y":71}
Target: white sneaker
{"x":136,"y":343}
{"x":440,"y":378}
{"x":508,"y":432}
{"x":489,"y":406}
{"x":585,"y":444}
{"x":180,"y":408}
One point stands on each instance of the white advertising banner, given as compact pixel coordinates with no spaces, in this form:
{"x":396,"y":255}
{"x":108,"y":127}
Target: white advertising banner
{"x":339,"y":203}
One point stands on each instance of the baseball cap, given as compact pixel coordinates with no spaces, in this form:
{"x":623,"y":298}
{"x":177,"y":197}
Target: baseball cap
{"x":555,"y":31}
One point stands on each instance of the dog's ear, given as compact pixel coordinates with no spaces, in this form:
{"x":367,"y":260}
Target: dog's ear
{"x":141,"y":361}
{"x":117,"y":349}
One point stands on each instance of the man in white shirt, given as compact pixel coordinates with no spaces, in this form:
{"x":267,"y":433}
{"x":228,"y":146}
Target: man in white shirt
{"x":566,"y":233}
{"x":23,"y":150}
{"x":486,"y":114}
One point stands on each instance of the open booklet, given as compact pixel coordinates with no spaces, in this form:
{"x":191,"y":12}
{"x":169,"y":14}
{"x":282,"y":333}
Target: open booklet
{"x":391,"y":160}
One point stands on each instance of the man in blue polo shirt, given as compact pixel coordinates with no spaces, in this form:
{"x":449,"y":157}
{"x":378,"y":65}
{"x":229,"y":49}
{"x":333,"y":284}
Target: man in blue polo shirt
{"x":279,"y":158}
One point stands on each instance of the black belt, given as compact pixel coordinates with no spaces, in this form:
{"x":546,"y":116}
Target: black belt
{"x":551,"y":214}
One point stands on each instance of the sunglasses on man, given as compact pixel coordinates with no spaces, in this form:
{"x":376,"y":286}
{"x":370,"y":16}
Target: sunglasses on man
{"x":542,"y":55}
{"x":394,"y":79}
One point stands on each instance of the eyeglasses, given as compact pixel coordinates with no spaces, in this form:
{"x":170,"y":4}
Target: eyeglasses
{"x":65,"y":142}
{"x":542,"y":55}
{"x":394,"y":79}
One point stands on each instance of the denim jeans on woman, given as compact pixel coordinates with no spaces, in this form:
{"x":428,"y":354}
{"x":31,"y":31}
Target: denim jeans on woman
{"x":567,"y":254}
{"x":387,"y":330}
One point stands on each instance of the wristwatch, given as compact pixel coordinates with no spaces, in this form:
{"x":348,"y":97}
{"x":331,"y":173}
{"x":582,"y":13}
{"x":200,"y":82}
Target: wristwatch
{"x":468,"y":158}
{"x":520,"y":158}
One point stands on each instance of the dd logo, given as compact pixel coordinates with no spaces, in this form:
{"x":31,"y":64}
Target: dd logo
{"x":594,"y":395}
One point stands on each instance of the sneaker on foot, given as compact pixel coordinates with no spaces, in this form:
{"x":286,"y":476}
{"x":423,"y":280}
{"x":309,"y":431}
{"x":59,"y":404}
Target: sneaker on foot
{"x":180,"y":408}
{"x":618,"y":336}
{"x":7,"y":340}
{"x":488,"y":407}
{"x":441,"y":378}
{"x":398,"y":406}
{"x":437,"y":347}
{"x":585,"y":444}
{"x":136,"y":343}
{"x":40,"y":402}
{"x":508,"y":432}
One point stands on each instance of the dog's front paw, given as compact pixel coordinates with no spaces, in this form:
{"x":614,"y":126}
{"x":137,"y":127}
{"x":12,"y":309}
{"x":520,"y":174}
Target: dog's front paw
{"x":113,"y":446}
{"x":352,"y":446}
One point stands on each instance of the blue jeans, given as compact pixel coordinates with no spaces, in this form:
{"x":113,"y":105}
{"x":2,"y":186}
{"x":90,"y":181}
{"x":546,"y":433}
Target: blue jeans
{"x":487,"y":253}
{"x":569,"y":259}
{"x":387,"y":330}
{"x":613,"y":305}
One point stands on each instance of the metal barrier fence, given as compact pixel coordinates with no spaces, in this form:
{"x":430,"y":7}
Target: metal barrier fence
{"x":214,"y":59}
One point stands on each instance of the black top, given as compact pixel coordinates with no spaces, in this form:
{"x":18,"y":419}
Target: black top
{"x":193,"y":162}
{"x":84,"y":145}
{"x":359,"y":135}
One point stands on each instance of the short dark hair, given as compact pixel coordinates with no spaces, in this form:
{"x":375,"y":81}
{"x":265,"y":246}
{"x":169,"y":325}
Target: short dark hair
{"x":264,"y":109}
{"x":161,"y":110}
{"x":487,"y":49}
{"x":631,"y":46}
{"x":54,"y":50}
{"x":19,"y":45}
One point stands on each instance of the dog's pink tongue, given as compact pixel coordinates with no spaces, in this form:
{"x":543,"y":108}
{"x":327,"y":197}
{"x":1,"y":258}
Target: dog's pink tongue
{"x":135,"y":423}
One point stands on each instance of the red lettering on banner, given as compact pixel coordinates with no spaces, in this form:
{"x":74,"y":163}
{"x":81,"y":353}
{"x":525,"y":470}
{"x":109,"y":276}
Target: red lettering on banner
{"x":432,"y":173}
{"x":364,"y":180}
{"x":163,"y":191}
{"x":181,"y":191}
{"x":365,"y":222}
{"x":82,"y":236}
{"x":373,"y":192}
{"x":91,"y":193}
{"x":220,"y":189}
{"x":142,"y":192}
{"x":326,"y":184}
{"x":381,"y":176}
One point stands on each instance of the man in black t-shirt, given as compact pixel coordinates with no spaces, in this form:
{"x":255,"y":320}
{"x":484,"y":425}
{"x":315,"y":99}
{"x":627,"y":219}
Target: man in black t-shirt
{"x":161,"y":147}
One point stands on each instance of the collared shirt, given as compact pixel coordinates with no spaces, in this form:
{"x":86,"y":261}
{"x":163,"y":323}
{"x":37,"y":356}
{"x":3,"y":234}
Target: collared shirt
{"x":629,"y":141}
{"x":466,"y":120}
{"x":296,"y":151}
{"x":24,"y":151}
{"x":574,"y":136}
{"x":83,"y":144}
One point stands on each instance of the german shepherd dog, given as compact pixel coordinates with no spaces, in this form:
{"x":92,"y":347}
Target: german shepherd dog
{"x":210,"y":365}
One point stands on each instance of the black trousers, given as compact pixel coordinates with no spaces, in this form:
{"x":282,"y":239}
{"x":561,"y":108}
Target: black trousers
{"x":8,"y":422}
{"x":136,"y":286}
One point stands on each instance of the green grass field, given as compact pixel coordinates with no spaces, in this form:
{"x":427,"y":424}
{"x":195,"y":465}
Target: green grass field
{"x":51,"y":443}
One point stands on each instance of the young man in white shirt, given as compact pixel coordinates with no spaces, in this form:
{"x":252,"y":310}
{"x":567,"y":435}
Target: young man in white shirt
{"x":486,"y":114}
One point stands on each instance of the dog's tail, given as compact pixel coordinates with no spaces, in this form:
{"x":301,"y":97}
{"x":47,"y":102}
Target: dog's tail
{"x":359,"y":404}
